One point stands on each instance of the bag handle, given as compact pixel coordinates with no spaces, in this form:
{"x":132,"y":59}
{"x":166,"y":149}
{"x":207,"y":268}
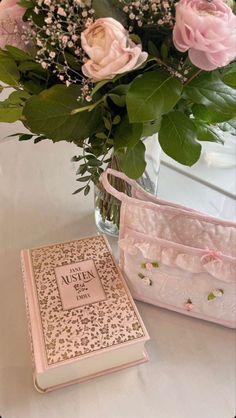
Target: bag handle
{"x":110,"y":189}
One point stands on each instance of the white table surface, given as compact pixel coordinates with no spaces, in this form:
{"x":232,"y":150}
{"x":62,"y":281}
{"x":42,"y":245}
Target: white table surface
{"x":191,"y":372}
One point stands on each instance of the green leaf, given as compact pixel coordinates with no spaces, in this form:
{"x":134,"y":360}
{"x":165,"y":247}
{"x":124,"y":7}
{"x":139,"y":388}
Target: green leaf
{"x":79,"y":190}
{"x":14,"y":135}
{"x":39,"y":139}
{"x":150,"y":128}
{"x":230,"y":79}
{"x":89,"y":156}
{"x":118,"y":95}
{"x":118,"y":100}
{"x":83,"y":179}
{"x":209,"y":90}
{"x":207,"y":132}
{"x":178,"y":138}
{"x":82,"y":170}
{"x":94,"y":162}
{"x":26,"y":3}
{"x":34,"y":87}
{"x":87,"y":190}
{"x":11,"y":108}
{"x":99,"y":85}
{"x":18,"y":97}
{"x":3,"y":53}
{"x":10,"y":115}
{"x":108,"y":8}
{"x":229,"y":126}
{"x":107,"y":123}
{"x":76,"y":158}
{"x":101,"y":135}
{"x":164,"y":51}
{"x":17,"y":54}
{"x":116,"y":120}
{"x":135,"y":38}
{"x":127,"y":134}
{"x":31,"y":66}
{"x":211,"y":296}
{"x":152,"y":49}
{"x":121,"y":89}
{"x":25,"y":137}
{"x":72,"y":61}
{"x":9,"y":73}
{"x":49,"y":113}
{"x":210,"y":114}
{"x":141,"y":275}
{"x":132,"y":160}
{"x":151,"y":95}
{"x":229,"y":76}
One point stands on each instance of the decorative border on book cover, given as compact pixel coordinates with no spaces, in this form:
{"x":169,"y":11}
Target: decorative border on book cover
{"x":75,"y":331}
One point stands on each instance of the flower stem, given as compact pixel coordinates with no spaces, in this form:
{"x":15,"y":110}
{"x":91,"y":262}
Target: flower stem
{"x":193,"y":76}
{"x":107,"y":204}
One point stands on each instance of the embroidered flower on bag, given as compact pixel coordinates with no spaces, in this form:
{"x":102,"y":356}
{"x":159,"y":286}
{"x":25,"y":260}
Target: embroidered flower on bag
{"x":150,"y":265}
{"x":211,"y":255}
{"x":145,"y":279}
{"x":217,"y":293}
{"x":188,"y":305}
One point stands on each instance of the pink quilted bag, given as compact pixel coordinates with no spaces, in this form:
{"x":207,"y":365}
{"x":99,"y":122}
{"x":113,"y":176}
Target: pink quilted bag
{"x":175,"y":257}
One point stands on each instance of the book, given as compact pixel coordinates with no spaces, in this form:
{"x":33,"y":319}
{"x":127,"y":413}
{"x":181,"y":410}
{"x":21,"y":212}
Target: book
{"x":82,"y":319}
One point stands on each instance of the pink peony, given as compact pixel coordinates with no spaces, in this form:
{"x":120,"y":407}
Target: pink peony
{"x":110,"y":50}
{"x":11,"y":24}
{"x":207,"y":30}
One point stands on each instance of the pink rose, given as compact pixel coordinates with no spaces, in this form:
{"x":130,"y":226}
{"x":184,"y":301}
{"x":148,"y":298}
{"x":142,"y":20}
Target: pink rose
{"x":188,"y":306}
{"x":207,"y":30}
{"x":11,"y":24}
{"x":149,"y":266}
{"x":110,"y":50}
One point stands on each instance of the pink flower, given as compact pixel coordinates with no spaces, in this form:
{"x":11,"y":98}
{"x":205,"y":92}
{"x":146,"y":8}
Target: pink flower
{"x":207,"y":30}
{"x":110,"y":50}
{"x":11,"y":24}
{"x":149,"y":266}
{"x":188,"y":305}
{"x":211,"y":255}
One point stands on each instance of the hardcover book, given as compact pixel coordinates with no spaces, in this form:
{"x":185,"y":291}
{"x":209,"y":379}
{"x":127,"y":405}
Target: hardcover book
{"x":82,"y":319}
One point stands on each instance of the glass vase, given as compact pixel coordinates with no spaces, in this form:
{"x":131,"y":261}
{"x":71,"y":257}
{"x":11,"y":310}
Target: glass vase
{"x":107,"y":207}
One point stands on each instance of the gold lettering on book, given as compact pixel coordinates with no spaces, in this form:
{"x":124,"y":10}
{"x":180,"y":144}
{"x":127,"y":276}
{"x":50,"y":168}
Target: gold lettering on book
{"x":79,"y":284}
{"x":84,"y":276}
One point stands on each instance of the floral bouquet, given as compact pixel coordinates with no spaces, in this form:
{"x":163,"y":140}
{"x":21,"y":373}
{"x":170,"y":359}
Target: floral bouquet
{"x":105,"y":74}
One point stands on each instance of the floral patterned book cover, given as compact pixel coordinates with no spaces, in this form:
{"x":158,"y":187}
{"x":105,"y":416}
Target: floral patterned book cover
{"x":82,"y":319}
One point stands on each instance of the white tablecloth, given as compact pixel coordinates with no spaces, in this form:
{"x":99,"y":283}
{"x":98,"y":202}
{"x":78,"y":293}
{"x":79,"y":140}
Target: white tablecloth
{"x":191,"y":372}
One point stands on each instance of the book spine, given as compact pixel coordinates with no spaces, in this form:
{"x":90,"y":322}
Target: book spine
{"x":28,"y":314}
{"x":32,"y":312}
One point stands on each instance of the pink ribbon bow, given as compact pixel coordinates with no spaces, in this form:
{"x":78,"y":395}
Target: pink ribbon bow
{"x":212,"y":255}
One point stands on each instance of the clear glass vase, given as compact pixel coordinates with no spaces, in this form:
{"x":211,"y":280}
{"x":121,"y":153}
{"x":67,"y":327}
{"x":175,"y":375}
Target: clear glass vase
{"x":107,"y":207}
